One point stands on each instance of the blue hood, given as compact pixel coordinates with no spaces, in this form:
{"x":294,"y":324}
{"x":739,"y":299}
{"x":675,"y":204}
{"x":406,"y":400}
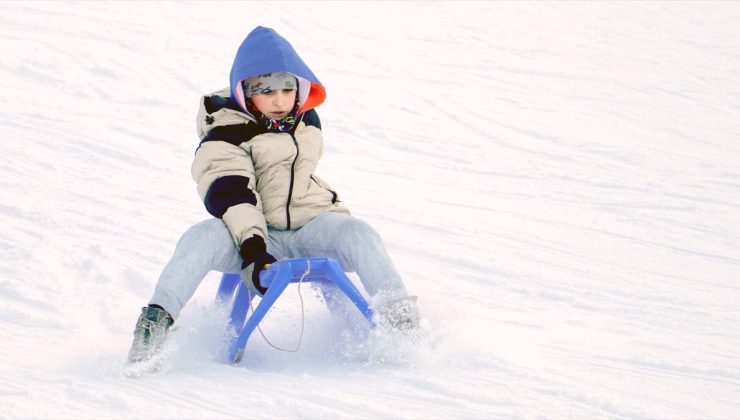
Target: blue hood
{"x":265,"y":51}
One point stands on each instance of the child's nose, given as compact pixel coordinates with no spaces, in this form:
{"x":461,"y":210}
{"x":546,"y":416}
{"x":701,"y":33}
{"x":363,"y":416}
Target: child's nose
{"x":280,"y":98}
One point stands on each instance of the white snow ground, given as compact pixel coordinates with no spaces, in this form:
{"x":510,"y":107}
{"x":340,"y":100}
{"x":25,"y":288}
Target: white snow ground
{"x":559,"y":183}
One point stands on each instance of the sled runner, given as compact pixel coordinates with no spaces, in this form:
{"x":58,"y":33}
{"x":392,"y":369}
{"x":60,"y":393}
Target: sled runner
{"x":326,"y":271}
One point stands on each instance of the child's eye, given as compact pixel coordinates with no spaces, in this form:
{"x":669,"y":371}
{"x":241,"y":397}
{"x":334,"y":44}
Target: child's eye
{"x":288,"y":90}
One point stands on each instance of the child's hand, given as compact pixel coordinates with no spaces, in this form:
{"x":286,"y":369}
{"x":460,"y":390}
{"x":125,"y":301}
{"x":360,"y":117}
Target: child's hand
{"x":254,"y":251}
{"x":260,"y":264}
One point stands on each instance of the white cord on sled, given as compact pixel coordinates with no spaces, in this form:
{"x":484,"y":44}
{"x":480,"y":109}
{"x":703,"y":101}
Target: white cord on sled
{"x":303,"y":315}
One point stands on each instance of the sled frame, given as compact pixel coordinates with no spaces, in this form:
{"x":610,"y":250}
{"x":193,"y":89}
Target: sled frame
{"x":327,"y":272}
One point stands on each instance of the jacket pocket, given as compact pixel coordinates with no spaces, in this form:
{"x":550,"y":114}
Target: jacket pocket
{"x":323,"y":185}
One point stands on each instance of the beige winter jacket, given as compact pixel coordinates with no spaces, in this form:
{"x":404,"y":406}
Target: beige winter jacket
{"x":252,"y":179}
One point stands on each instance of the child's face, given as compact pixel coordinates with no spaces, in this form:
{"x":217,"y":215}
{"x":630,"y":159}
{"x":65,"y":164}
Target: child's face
{"x":275,"y":104}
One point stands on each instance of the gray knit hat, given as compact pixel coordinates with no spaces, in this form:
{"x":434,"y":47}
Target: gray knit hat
{"x":268,"y":82}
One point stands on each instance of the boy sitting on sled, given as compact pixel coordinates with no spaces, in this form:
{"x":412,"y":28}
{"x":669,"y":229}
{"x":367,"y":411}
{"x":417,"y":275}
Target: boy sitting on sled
{"x":260,"y":144}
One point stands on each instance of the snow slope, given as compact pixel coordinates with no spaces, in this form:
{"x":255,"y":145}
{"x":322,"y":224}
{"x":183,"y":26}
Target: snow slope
{"x":558,"y":182}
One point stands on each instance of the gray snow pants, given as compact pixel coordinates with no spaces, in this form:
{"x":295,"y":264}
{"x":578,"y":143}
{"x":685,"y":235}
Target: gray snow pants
{"x":208,"y":245}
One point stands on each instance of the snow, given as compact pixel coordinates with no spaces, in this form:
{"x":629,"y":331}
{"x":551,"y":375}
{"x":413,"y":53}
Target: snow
{"x":558,"y":182}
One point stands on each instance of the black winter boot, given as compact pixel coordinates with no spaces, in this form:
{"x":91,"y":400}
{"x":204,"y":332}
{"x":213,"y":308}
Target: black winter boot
{"x":150,"y":334}
{"x":399,"y":314}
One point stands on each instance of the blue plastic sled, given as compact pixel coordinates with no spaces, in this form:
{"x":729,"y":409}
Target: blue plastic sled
{"x":276,"y":278}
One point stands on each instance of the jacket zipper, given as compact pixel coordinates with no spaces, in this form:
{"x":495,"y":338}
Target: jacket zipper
{"x":292,"y":179}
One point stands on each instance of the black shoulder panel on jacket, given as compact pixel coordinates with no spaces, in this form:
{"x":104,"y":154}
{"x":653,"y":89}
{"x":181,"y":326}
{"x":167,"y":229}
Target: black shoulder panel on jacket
{"x":228,"y":191}
{"x":215,"y":102}
{"x":311,"y":117}
{"x":234,"y":134}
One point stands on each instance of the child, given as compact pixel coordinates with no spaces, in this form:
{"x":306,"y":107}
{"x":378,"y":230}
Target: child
{"x":260,"y":143}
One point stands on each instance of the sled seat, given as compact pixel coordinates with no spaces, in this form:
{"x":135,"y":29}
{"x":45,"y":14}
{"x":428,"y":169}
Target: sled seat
{"x":325,"y":271}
